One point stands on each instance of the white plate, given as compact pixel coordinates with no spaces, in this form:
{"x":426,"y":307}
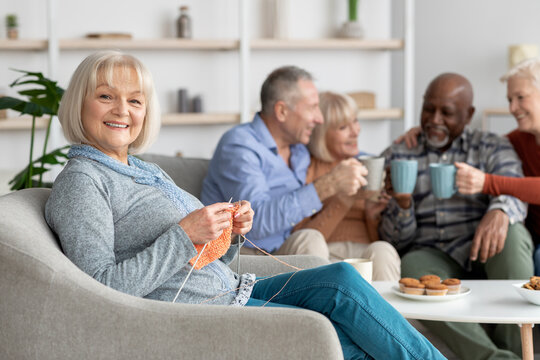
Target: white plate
{"x":464,"y":291}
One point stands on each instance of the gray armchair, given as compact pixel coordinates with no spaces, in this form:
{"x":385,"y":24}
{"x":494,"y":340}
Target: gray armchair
{"x":49,"y":309}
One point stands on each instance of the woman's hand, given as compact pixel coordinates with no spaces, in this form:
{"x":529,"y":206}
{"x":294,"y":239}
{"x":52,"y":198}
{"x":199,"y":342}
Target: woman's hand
{"x":410,"y":137}
{"x":349,"y":176}
{"x":469,"y":180}
{"x":243,"y":218}
{"x":207,"y":224}
{"x":374,"y":208}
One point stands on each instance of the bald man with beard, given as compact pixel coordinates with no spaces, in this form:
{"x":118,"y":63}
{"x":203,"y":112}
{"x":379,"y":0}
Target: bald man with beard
{"x":465,"y":236}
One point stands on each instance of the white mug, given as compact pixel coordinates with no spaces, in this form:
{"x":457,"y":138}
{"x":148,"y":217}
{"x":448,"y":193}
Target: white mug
{"x":375,"y":167}
{"x":363,"y":266}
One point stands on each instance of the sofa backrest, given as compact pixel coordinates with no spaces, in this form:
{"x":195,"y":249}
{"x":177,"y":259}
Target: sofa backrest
{"x":187,"y":173}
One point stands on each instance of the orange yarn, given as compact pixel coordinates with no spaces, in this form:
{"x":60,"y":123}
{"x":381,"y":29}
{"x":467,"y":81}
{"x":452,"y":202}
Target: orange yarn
{"x":215,"y":248}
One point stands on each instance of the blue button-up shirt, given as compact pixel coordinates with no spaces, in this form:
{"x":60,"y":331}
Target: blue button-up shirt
{"x":246,"y":166}
{"x":450,"y":224}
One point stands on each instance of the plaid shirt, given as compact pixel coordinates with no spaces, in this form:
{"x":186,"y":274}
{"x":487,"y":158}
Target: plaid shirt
{"x":450,"y":224}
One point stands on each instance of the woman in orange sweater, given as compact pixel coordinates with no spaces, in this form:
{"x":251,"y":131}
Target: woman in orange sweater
{"x":348,"y":223}
{"x":523,"y":93}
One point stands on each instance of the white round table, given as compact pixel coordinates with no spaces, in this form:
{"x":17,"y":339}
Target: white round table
{"x":490,"y":301}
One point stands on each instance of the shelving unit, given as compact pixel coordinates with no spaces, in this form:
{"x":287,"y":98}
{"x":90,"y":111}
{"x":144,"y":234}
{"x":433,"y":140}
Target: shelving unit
{"x":171,"y":119}
{"x":245,"y":46}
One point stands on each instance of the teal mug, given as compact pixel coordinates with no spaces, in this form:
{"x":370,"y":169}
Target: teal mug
{"x":443,"y":180}
{"x":403,"y":174}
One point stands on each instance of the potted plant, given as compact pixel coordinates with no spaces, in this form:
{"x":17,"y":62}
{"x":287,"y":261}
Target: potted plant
{"x":352,"y":28}
{"x":12,"y":26}
{"x":43,"y":99}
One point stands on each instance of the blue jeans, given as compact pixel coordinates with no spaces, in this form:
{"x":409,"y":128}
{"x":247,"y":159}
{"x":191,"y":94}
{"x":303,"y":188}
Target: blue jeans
{"x":367,"y":326}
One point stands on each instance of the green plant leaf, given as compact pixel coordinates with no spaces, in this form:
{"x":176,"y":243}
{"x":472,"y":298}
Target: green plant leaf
{"x":18,"y":182}
{"x":42,"y":97}
{"x":56,"y":157}
{"x":7,"y":102}
{"x":31,"y":92}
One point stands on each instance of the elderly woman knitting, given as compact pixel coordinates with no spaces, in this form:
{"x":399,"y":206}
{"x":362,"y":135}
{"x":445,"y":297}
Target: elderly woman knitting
{"x":125,"y":223}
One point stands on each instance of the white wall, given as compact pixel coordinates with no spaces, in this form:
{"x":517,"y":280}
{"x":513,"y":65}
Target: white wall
{"x":468,"y":37}
{"x":212,"y":74}
{"x":472,"y":38}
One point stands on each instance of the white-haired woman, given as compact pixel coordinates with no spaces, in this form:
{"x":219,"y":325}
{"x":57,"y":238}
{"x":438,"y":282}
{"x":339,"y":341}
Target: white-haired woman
{"x":348,"y":223}
{"x":125,"y":223}
{"x":523,"y":93}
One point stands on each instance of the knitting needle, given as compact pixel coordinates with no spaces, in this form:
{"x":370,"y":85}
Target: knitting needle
{"x":189,"y":273}
{"x":238,"y":252}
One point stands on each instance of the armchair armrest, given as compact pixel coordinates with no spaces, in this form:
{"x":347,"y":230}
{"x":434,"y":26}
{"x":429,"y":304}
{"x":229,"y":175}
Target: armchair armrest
{"x":81,"y":324}
{"x":266,"y":266}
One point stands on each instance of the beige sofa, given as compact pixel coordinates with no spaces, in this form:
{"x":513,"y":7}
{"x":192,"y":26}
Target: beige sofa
{"x":49,"y":309}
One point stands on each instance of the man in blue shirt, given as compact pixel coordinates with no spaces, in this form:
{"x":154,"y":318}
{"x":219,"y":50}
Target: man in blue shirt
{"x":465,"y":236}
{"x":265,"y":162}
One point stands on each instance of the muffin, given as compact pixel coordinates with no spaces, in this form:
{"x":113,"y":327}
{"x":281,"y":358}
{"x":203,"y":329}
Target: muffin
{"x":436,"y":289}
{"x":414,"y":289}
{"x":430,"y":278}
{"x":454,"y":285}
{"x":406,"y":280}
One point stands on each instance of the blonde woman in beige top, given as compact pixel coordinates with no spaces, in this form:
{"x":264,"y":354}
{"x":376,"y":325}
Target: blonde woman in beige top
{"x":348,"y":223}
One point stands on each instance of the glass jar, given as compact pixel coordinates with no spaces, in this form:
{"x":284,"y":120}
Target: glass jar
{"x":183,"y":24}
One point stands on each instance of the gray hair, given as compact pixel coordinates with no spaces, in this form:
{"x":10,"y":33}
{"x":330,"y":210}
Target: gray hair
{"x":529,"y":69}
{"x":337,"y":109}
{"x":84,"y":83}
{"x":282,"y":85}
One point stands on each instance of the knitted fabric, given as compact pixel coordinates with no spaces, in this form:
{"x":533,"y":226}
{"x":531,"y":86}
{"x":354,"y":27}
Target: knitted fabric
{"x":215,"y":248}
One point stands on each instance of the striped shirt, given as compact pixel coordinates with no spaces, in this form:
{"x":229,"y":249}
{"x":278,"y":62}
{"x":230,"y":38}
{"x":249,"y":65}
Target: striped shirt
{"x":450,"y":224}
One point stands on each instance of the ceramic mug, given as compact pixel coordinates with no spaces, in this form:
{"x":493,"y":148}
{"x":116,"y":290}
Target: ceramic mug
{"x":443,"y":180}
{"x":375,"y":168}
{"x":363,"y":266}
{"x":403,"y":174}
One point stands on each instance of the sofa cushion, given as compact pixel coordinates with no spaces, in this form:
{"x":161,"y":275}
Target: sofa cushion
{"x":187,"y":173}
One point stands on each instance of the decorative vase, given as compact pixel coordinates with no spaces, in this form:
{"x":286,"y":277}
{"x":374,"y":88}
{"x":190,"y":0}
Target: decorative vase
{"x":12,"y":26}
{"x":13,"y":33}
{"x":183,"y":24}
{"x":352,"y":28}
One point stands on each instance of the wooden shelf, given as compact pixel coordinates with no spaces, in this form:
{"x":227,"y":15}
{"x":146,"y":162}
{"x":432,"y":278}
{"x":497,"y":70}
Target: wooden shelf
{"x":380,"y":114}
{"x":148,"y":44}
{"x":22,"y":123}
{"x":204,"y":44}
{"x":496,"y":112}
{"x":200,"y":119}
{"x":326,"y":44}
{"x":23,"y":44}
